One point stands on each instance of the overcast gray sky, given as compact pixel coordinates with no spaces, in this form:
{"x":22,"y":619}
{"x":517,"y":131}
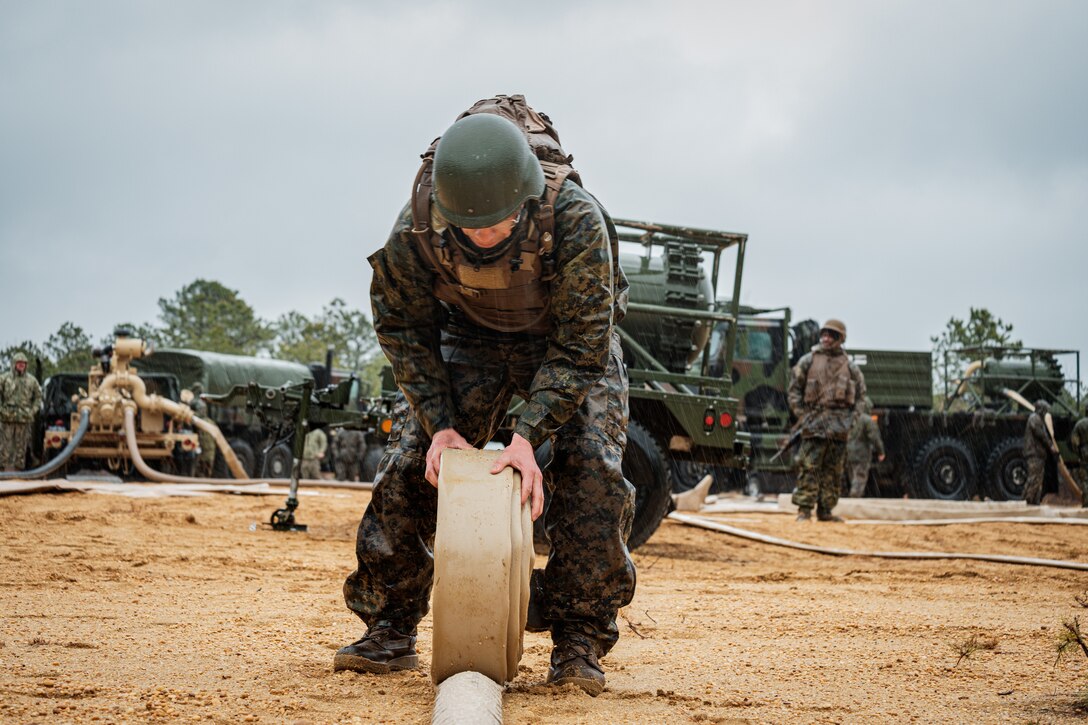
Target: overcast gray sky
{"x":894,"y":163}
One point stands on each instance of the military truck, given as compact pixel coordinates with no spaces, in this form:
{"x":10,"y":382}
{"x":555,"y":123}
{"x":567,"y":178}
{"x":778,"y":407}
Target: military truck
{"x":680,"y":416}
{"x":970,"y":446}
{"x":219,"y":373}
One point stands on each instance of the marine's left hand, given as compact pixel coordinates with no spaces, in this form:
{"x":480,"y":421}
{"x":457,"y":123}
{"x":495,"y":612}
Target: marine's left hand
{"x":519,"y":456}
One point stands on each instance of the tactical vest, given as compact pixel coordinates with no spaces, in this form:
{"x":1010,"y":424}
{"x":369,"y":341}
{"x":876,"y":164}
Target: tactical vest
{"x":512,"y":291}
{"x":829,"y":383}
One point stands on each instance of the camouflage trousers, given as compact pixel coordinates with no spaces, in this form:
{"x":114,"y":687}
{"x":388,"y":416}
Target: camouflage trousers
{"x":311,"y":468}
{"x":1033,"y":489}
{"x":589,"y":574}
{"x":14,"y":441}
{"x":347,"y":469}
{"x":859,"y":475}
{"x":820,"y":479}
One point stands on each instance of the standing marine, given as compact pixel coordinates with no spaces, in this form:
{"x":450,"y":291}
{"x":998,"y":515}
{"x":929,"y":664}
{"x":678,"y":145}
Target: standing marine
{"x":500,"y":277}
{"x":825,"y":393}
{"x":205,"y":460}
{"x":1078,"y":441}
{"x":313,"y":452}
{"x":20,"y":401}
{"x":348,"y":447}
{"x":864,"y":440}
{"x":1038,"y":444}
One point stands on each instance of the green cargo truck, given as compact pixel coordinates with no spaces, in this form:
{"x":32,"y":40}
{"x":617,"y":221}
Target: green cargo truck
{"x":970,"y":447}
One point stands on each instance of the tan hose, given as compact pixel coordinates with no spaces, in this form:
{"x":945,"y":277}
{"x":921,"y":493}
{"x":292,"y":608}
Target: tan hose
{"x":159,"y":477}
{"x":134,"y":385}
{"x":229,"y":456}
{"x":967,"y":373}
{"x":1017,"y":397}
{"x":996,"y":558}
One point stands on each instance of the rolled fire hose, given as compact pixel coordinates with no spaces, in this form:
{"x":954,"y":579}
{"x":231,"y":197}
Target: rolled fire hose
{"x":60,"y":459}
{"x":483,"y":556}
{"x":774,"y":540}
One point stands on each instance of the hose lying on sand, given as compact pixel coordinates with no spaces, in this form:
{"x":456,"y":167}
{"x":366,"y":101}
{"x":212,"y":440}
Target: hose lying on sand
{"x":774,"y":540}
{"x":62,"y":457}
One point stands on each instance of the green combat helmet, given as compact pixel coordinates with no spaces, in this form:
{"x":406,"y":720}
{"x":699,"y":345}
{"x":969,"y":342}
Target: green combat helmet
{"x":483,"y":171}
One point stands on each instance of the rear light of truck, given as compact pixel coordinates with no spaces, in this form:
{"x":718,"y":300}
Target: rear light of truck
{"x":725,"y":420}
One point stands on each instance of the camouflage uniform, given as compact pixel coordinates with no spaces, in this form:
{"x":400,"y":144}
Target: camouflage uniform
{"x":1037,"y":444}
{"x":313,"y":451}
{"x":205,"y":460}
{"x":1078,"y":441}
{"x":349,"y":447}
{"x":455,"y":374}
{"x":825,"y":406}
{"x":20,"y":401}
{"x":864,"y":439}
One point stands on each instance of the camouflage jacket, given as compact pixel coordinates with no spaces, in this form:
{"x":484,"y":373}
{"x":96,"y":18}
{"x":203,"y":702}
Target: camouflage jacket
{"x":347,"y":442}
{"x":818,"y":421}
{"x":316,"y":444}
{"x":1037,"y":441}
{"x":20,"y":397}
{"x":583,"y":303}
{"x":864,"y":438}
{"x":1078,"y":440}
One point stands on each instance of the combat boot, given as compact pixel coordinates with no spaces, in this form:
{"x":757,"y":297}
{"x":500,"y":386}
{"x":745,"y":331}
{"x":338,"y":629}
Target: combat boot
{"x":575,"y":661}
{"x":382,"y":649}
{"x":804,"y":515}
{"x":822,"y":516}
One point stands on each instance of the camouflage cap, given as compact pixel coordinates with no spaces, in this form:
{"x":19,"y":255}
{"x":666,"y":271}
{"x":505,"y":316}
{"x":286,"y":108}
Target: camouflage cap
{"x":835,"y":326}
{"x":484,"y":170}
{"x":19,"y":358}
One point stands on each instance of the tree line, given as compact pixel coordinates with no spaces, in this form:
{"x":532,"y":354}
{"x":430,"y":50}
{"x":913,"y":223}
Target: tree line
{"x":206,"y":315}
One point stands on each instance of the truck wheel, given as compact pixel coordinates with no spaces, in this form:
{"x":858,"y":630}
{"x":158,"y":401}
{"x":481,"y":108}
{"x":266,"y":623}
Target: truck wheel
{"x":686,"y":474}
{"x":1007,"y":471}
{"x":371,"y":460}
{"x":245,"y":454}
{"x":943,"y":469}
{"x":644,"y":467}
{"x":278,"y":461}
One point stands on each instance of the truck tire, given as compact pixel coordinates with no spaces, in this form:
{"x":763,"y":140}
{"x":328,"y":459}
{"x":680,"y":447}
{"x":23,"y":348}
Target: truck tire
{"x":278,"y":462}
{"x":943,"y":469}
{"x":644,"y":467}
{"x":1007,"y":471}
{"x":686,"y":474}
{"x":371,"y":460}
{"x":245,"y":455}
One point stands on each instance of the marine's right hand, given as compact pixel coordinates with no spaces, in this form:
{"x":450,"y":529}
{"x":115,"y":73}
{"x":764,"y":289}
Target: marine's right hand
{"x":443,"y":439}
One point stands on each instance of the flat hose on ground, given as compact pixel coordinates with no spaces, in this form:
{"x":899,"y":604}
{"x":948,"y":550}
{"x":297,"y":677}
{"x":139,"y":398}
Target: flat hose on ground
{"x":44,"y":470}
{"x":774,"y":540}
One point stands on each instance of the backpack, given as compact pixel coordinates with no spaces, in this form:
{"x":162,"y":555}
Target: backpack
{"x":555,"y":162}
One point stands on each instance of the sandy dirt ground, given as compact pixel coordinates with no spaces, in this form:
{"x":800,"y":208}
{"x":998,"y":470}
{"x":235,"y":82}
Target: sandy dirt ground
{"x":115,"y":609}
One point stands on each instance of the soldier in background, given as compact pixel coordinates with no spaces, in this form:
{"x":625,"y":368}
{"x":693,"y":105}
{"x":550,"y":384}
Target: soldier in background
{"x":313,"y":453}
{"x":863,"y":441}
{"x":349,"y":447}
{"x":826,"y":391}
{"x":1037,"y":445}
{"x":1078,"y":441}
{"x":20,"y":401}
{"x":206,"y":458}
